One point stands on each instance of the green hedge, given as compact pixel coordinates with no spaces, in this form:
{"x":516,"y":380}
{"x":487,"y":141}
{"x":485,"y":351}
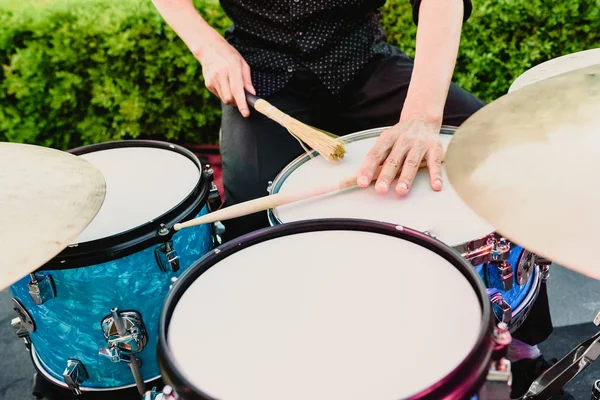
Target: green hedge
{"x":84,"y":71}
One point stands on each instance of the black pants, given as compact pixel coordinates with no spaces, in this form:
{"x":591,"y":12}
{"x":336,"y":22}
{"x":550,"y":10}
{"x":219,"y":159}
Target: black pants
{"x":255,"y":149}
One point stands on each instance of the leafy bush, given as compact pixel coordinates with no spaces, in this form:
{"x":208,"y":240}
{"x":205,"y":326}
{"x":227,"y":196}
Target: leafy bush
{"x":79,"y":71}
{"x":83,"y":71}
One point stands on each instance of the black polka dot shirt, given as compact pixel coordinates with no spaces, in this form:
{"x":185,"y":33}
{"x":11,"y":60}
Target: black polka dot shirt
{"x":332,"y":38}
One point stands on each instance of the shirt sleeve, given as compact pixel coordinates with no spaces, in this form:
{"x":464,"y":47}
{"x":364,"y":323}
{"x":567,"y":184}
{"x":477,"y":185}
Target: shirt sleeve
{"x":416,"y":4}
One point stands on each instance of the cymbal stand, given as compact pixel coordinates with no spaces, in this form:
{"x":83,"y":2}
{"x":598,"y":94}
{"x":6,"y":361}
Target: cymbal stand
{"x":557,"y":376}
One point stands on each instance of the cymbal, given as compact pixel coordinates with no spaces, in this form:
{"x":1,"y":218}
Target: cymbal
{"x":47,"y":198}
{"x":528,"y":163}
{"x":556,"y":66}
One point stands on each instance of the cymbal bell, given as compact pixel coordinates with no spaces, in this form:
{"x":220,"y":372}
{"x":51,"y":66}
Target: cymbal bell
{"x":48,"y":198}
{"x":528,"y":163}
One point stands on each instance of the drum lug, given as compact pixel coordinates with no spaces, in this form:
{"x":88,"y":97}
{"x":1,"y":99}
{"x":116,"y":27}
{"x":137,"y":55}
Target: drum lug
{"x":496,"y":298}
{"x":41,"y":288}
{"x":499,"y":378}
{"x":544,"y":265}
{"x":166,"y":394}
{"x":498,"y":256}
{"x":166,"y":257}
{"x":505,"y":273}
{"x":125,"y":334}
{"x":270,"y":187}
{"x":214,"y":197}
{"x":218,"y":231}
{"x":74,"y":375}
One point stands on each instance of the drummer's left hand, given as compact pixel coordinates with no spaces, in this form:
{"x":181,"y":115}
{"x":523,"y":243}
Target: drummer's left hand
{"x":403,"y":147}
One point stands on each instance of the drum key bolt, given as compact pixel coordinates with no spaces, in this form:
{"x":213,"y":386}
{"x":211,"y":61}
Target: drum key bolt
{"x":166,"y":394}
{"x":214,"y":197}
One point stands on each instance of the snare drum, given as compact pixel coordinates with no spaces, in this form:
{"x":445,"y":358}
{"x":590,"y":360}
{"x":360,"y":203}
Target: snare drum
{"x":333,"y":314}
{"x":120,"y":268}
{"x":513,"y":279}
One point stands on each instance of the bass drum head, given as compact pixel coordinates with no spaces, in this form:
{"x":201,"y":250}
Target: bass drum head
{"x":442,"y":214}
{"x":142,"y":184}
{"x":329,"y":309}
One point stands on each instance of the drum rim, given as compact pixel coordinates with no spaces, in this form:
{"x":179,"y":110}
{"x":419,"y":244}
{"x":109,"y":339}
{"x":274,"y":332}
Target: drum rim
{"x":142,"y":236}
{"x":462,"y":381}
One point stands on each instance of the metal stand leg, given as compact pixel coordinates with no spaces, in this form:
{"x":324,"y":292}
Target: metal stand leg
{"x":596,"y":390}
{"x":561,"y":373}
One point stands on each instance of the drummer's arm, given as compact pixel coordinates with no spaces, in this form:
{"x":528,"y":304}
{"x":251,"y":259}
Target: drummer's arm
{"x":438,"y":38}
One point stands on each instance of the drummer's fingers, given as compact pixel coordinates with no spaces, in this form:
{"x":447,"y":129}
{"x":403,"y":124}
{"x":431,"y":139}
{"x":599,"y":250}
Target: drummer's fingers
{"x":374,"y":157}
{"x":391,"y":166}
{"x":410,"y":167}
{"x":434,"y":165}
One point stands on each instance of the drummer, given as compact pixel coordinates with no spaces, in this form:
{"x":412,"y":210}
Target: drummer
{"x":327,"y":64}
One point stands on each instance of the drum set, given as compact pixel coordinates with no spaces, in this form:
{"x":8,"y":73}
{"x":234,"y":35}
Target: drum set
{"x":372,"y":297}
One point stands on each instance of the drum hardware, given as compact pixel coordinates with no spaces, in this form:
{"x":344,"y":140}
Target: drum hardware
{"x":566,"y":369}
{"x":596,"y":390}
{"x":214,"y":197}
{"x":126,"y":335}
{"x":505,"y":309}
{"x":544,"y":265}
{"x":499,"y":378}
{"x":525,"y":268}
{"x":25,"y":318}
{"x":494,"y":250}
{"x":173,"y":280}
{"x":42,"y":288}
{"x":167,"y":258}
{"x":499,"y":254}
{"x":74,"y":375}
{"x":166,"y":394}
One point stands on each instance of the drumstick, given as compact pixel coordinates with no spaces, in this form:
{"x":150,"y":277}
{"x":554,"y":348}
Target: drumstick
{"x":272,"y":201}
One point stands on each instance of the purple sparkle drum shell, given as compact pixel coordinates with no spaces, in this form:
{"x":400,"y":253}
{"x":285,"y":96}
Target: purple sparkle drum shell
{"x":248,"y":322}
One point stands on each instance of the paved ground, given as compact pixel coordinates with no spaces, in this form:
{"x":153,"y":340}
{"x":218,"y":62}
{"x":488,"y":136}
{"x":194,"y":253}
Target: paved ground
{"x":574,"y":300}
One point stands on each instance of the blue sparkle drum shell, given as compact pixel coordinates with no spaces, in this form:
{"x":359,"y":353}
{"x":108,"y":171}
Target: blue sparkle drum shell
{"x":120,"y":261}
{"x":442,"y":215}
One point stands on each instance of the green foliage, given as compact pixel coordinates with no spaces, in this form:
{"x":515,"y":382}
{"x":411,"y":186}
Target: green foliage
{"x":504,"y":38}
{"x":76,"y":72}
{"x":79,"y":71}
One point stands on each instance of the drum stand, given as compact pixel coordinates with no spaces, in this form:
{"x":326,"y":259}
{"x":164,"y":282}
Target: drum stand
{"x":556,"y":377}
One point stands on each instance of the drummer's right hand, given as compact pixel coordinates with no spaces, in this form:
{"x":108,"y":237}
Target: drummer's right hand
{"x":226,"y":73}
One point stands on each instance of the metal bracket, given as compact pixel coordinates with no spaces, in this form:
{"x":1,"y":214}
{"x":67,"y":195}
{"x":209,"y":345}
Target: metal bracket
{"x":525,"y":267}
{"x":26,"y":322}
{"x":125,"y":335}
{"x":166,"y":257}
{"x":567,"y":368}
{"x":505,"y":309}
{"x":41,"y":288}
{"x":74,"y":375}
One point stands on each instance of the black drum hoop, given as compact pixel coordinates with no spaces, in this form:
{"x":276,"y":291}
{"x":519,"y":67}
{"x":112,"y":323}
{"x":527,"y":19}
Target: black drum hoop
{"x":143,"y":236}
{"x":464,"y":381}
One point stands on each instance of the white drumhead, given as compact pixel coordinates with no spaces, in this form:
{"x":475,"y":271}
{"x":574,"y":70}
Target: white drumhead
{"x":557,"y":66}
{"x":142,"y":183}
{"x":443,"y":213}
{"x":324,"y":315}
